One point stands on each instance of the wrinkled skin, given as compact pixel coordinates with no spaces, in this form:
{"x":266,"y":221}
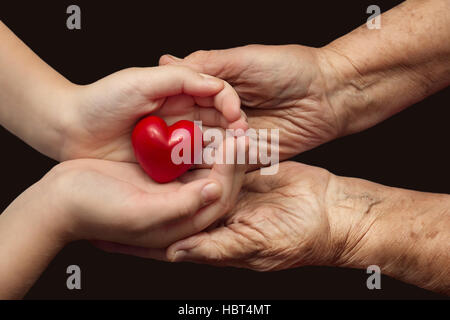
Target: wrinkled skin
{"x":281,"y":87}
{"x":280,"y":222}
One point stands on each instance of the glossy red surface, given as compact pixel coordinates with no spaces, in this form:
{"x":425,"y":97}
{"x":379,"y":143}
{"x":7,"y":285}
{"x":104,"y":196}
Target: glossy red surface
{"x":153,"y":143}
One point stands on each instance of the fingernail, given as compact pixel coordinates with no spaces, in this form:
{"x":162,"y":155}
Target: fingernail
{"x":173,"y":57}
{"x":211,"y":192}
{"x":213,"y":81}
{"x":179,"y":255}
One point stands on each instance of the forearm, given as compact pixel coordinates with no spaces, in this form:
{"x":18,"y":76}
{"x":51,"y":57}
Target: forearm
{"x":377,"y":73}
{"x":405,"y":233}
{"x":32,"y":95}
{"x":28,"y":242}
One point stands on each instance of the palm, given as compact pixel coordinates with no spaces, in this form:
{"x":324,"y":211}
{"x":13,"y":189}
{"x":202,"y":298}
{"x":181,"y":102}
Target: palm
{"x":107,"y":129}
{"x":128,"y":191}
{"x":279,"y":222}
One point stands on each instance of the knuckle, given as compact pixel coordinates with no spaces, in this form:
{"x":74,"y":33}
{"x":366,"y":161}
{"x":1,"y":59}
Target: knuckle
{"x":216,"y":252}
{"x":184,"y":210}
{"x":197,"y":55}
{"x":177,"y":68}
{"x":184,"y":207}
{"x":254,"y":46}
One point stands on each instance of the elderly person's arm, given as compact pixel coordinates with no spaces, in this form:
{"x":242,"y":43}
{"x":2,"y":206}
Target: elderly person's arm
{"x":391,"y":68}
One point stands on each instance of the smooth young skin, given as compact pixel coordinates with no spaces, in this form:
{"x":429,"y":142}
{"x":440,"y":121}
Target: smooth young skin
{"x":308,"y":216}
{"x":316,"y":95}
{"x":67,"y":121}
{"x":105,"y":202}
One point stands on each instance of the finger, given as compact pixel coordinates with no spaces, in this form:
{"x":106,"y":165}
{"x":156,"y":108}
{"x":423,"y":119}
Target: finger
{"x":161,"y":82}
{"x":241,"y":150}
{"x":176,"y":106}
{"x":223,"y":173}
{"x":241,"y":123}
{"x":231,"y":177}
{"x":185,"y":201}
{"x":149,"y":253}
{"x":194,"y":65}
{"x":226,"y":101}
{"x":215,"y":248}
{"x":208,"y":91}
{"x":210,"y":146}
{"x":219,"y":63}
{"x":211,"y":118}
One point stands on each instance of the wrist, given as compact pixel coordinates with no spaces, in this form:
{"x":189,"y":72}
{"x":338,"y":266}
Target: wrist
{"x":30,"y":237}
{"x":62,"y":119}
{"x":403,"y":232}
{"x":354,"y":206}
{"x":345,"y":89}
{"x":50,"y":112}
{"x":59,"y":211}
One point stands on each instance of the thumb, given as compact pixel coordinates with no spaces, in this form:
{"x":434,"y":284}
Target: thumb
{"x":187,"y":200}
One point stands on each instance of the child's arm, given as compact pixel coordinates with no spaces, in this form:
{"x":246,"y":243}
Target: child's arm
{"x":32,"y":95}
{"x":29,"y":239}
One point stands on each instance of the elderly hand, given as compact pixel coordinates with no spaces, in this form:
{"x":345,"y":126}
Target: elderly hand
{"x":280,"y":222}
{"x":281,"y":87}
{"x":307,"y":216}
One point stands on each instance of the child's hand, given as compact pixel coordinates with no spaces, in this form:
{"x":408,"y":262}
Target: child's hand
{"x":103,"y":114}
{"x":111,"y":201}
{"x":108,"y":201}
{"x":66,"y":121}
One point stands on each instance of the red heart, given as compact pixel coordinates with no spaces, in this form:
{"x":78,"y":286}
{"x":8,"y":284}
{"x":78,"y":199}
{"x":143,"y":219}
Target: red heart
{"x":153,"y":143}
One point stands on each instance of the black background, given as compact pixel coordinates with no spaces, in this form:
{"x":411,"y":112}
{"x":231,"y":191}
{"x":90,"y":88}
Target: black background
{"x":409,"y":150}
